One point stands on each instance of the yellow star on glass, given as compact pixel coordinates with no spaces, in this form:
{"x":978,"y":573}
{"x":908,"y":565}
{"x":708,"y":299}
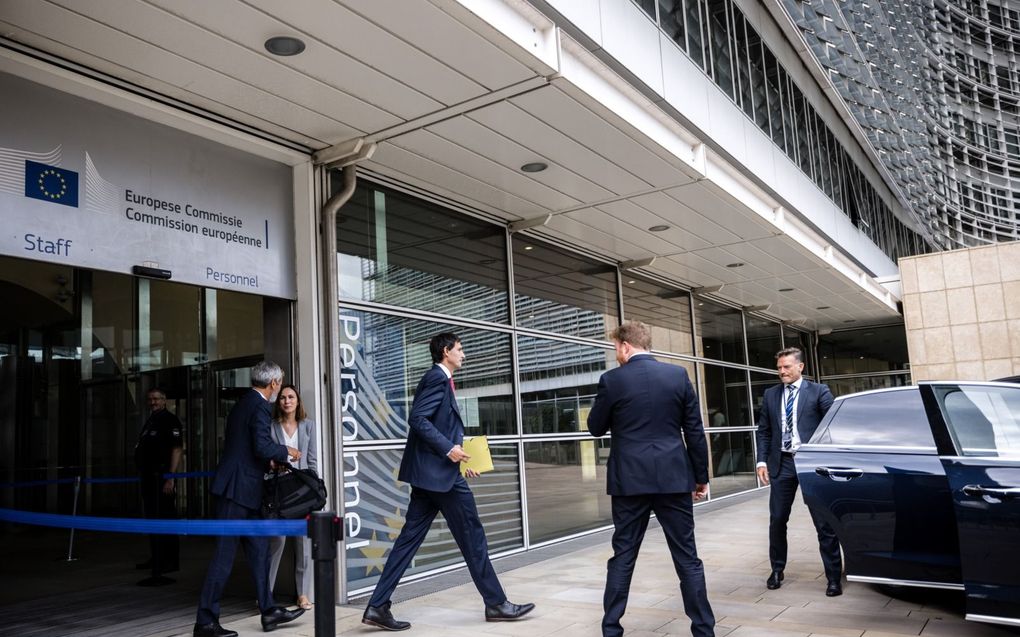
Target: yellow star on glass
{"x":396,"y":523}
{"x":374,"y":552}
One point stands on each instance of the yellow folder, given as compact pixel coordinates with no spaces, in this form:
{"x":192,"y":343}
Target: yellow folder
{"x":481,"y":460}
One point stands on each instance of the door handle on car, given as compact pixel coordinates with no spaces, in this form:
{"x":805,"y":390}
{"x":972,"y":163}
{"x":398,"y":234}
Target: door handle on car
{"x":977,"y":491}
{"x":837,"y":474}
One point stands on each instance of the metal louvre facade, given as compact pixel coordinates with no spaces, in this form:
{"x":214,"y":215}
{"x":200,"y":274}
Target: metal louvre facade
{"x":942,"y":115}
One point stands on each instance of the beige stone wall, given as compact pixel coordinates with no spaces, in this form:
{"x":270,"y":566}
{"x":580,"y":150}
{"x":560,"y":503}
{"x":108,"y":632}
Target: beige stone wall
{"x":962,"y":313}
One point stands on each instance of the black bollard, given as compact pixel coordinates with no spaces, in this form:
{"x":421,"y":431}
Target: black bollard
{"x":325,"y":529}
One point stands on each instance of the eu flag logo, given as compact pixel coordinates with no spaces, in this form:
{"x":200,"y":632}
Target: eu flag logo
{"x":50,"y":183}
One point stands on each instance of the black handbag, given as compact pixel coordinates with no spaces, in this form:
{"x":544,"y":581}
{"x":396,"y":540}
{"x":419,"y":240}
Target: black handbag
{"x":293,"y":494}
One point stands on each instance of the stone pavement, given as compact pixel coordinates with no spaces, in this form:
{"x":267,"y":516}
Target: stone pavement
{"x":732,"y":541}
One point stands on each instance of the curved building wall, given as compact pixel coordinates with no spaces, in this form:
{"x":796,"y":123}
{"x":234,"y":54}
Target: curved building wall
{"x":934,"y":87}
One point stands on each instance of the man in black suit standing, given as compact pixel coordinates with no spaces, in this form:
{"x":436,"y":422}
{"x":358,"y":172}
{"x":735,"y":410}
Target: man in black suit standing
{"x":431,"y":466}
{"x":248,"y":452}
{"x":651,"y":409}
{"x":790,"y":413}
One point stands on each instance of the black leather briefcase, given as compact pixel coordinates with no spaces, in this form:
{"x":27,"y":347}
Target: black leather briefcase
{"x":292,"y":494}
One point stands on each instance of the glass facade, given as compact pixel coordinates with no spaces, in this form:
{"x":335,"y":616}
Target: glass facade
{"x":535,"y":334}
{"x":935,"y":88}
{"x":860,"y":359}
{"x":718,"y":38}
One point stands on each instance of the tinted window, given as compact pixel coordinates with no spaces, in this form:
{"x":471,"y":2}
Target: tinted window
{"x":984,"y":420}
{"x":888,"y":419}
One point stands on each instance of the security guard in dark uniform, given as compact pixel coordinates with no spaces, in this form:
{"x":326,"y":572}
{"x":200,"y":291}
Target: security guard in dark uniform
{"x":159,"y":452}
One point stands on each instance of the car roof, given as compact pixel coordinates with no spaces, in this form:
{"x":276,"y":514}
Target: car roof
{"x":982,"y":383}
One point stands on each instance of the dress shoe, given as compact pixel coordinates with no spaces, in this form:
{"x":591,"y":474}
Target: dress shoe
{"x":156,"y":580}
{"x":774,"y":581}
{"x":507,"y":611}
{"x":213,"y":630}
{"x":833,"y":589}
{"x":278,"y":615}
{"x":381,"y":617}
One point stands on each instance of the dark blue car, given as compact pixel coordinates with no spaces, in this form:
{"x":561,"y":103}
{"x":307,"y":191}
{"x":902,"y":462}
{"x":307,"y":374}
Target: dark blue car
{"x":922,"y":485}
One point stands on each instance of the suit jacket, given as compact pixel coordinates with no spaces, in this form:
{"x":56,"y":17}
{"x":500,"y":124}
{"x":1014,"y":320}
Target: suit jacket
{"x":814,"y":400}
{"x":436,"y":427}
{"x":651,"y":409}
{"x":247,"y":449}
{"x":306,"y":443}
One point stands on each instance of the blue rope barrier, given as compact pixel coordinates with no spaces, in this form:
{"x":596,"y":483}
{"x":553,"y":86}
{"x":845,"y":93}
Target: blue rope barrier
{"x":40,"y":483}
{"x":34,"y":483}
{"x":163,"y":527}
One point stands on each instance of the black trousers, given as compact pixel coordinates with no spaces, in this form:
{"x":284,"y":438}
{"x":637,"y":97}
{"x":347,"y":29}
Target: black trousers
{"x":256,"y":550}
{"x":164,"y":549}
{"x":461,"y":514}
{"x":784,"y":490}
{"x":675,"y":512}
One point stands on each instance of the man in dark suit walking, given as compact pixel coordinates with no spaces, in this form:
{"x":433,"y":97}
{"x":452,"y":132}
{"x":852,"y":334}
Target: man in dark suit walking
{"x":248,"y":452}
{"x":790,"y":413}
{"x":431,"y":466}
{"x":651,"y":409}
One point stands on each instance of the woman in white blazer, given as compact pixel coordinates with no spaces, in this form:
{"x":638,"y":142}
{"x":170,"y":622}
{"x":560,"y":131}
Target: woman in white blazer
{"x":292,"y":427}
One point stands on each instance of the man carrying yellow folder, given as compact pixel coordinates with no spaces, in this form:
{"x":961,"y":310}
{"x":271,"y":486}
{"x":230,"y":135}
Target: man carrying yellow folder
{"x":431,"y":464}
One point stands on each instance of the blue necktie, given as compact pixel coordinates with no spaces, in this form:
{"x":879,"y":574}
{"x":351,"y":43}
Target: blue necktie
{"x":788,"y":428}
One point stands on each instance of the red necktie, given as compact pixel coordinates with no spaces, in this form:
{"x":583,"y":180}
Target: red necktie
{"x":453,"y":387}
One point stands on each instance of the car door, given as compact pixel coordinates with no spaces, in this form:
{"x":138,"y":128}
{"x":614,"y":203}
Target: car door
{"x":983,"y":469}
{"x":873,"y":472}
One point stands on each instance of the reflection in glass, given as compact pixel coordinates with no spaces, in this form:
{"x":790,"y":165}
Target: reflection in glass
{"x":113,"y":318}
{"x":383,"y":357}
{"x":763,"y":341}
{"x":169,"y":325}
{"x":796,"y":338}
{"x":759,"y":383}
{"x":732,"y":462}
{"x":402,"y":251}
{"x":720,"y":332}
{"x":844,"y":386}
{"x":375,"y":504}
{"x":667,"y":311}
{"x":724,"y":396}
{"x":558,"y":383}
{"x":870,"y":349}
{"x":237,"y":319}
{"x":557,"y":291}
{"x":566,"y":487}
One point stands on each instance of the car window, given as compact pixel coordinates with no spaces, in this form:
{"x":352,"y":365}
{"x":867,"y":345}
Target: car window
{"x":884,"y":419}
{"x":984,"y":420}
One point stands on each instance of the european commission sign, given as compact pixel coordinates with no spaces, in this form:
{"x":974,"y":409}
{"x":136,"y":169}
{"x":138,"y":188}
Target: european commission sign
{"x":84,"y":185}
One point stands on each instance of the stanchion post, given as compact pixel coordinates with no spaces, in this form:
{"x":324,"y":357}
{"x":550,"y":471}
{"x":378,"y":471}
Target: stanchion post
{"x":326,"y":530}
{"x":74,"y":512}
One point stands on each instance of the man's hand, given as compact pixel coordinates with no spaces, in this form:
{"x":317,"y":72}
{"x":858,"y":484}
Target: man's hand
{"x":457,"y":454}
{"x":471,"y":473}
{"x":168,"y":486}
{"x":293,"y":453}
{"x":700,"y":492}
{"x":763,"y":475}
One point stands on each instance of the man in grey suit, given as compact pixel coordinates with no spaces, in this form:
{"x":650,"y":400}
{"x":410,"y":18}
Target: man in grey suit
{"x":248,"y":452}
{"x":658,"y":463}
{"x":790,"y":414}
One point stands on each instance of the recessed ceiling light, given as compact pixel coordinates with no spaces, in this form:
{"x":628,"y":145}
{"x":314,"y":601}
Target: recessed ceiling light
{"x":631,"y":282}
{"x":529,"y":247}
{"x":735,"y":265}
{"x":284,"y":45}
{"x":786,"y":289}
{"x":659,"y":228}
{"x":823,"y":307}
{"x":534,"y":167}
